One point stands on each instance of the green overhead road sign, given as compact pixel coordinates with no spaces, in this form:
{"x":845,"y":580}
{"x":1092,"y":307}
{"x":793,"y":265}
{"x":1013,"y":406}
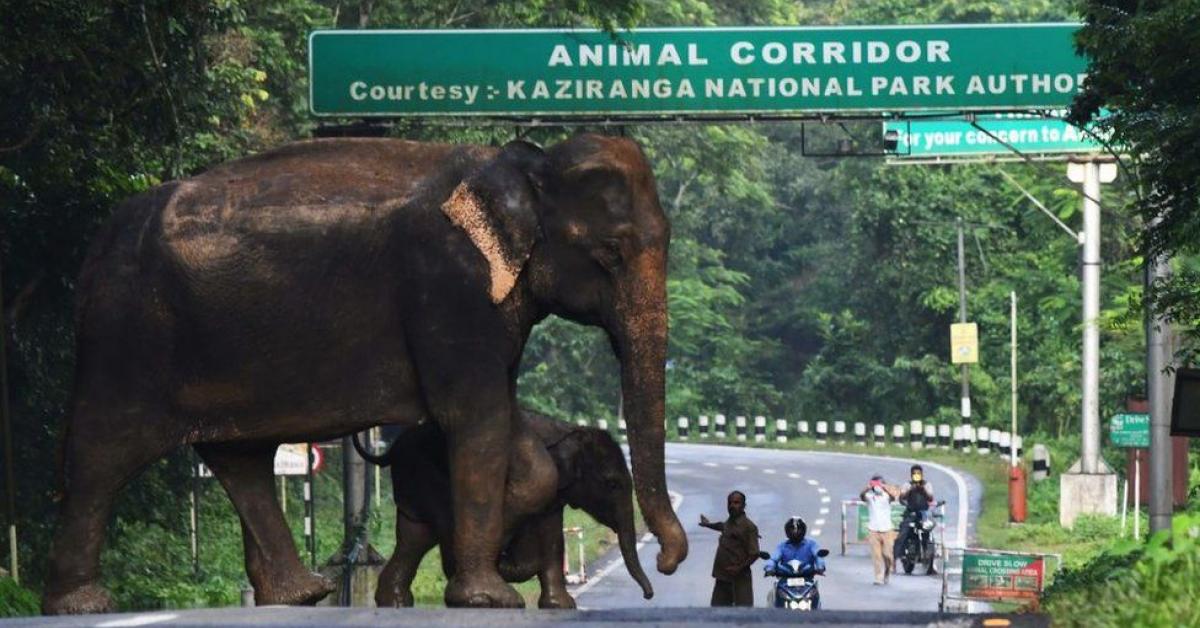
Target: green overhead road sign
{"x":1130,"y":430}
{"x":693,"y":71}
{"x":1029,"y":134}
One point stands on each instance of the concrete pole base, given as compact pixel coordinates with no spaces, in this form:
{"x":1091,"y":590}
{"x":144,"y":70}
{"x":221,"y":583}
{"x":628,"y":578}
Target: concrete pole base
{"x":363,"y":578}
{"x":1086,"y":494}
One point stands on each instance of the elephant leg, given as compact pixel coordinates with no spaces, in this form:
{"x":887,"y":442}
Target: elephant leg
{"x":550,"y":551}
{"x":532,"y":482}
{"x":272,"y":563}
{"x":97,"y":464}
{"x":413,"y":541}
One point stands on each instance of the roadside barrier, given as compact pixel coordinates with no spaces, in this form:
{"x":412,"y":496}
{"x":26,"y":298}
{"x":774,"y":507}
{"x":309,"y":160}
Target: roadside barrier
{"x":802,"y":429}
{"x":1041,"y":462}
{"x":621,"y":429}
{"x":703,"y":425}
{"x":581,"y":422}
{"x":983,"y":439}
{"x":1019,"y":443}
{"x":855,"y":517}
{"x":994,"y":441}
{"x":683,"y":428}
{"x":602,"y":424}
{"x":1005,"y":444}
{"x":997,"y":575}
{"x":968,"y":438}
{"x":879,"y":434}
{"x":580,"y":576}
{"x":839,"y":430}
{"x":898,"y":435}
{"x":914,"y":433}
{"x":944,"y":436}
{"x":760,"y":429}
{"x":720,"y":427}
{"x":930,"y":436}
{"x":860,"y":434}
{"x":822,"y":432}
{"x":741,"y":428}
{"x":781,"y":430}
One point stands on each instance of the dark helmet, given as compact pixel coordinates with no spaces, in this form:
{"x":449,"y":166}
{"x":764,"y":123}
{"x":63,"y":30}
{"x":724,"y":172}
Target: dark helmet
{"x":795,"y":525}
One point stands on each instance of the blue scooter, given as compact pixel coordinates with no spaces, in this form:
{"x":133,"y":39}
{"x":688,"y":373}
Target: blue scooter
{"x":795,"y":585}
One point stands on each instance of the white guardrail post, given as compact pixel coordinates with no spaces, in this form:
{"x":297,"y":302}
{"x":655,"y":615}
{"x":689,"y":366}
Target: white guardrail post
{"x":898,"y":435}
{"x":879,"y":434}
{"x":760,"y":429}
{"x":860,"y":434}
{"x":822,"y":432}
{"x":781,"y":430}
{"x":914,"y":433}
{"x":720,"y":432}
{"x":740,"y":426}
{"x":703,"y":425}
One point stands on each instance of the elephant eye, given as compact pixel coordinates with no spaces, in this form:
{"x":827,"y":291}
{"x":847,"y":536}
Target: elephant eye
{"x":608,"y":254}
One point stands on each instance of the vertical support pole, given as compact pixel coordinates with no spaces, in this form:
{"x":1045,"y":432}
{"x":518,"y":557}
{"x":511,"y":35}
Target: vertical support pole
{"x":1091,"y":314}
{"x":354,"y":480}
{"x":962,"y":318}
{"x":1160,"y":389}
{"x":1124,"y":504}
{"x":1137,"y":494}
{"x":310,"y":533}
{"x":1012,"y":448}
{"x":283,"y":493}
{"x":376,"y":436}
{"x":194,"y":514}
{"x":10,"y":484}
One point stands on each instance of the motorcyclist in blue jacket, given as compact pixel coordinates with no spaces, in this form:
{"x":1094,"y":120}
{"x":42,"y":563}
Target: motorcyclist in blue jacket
{"x":796,"y":547}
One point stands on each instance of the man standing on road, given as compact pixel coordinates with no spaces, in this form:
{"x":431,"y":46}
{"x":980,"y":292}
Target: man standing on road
{"x":736,"y":551}
{"x":881,"y":536}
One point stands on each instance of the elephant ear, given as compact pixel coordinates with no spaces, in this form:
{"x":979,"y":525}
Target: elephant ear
{"x":496,"y":207}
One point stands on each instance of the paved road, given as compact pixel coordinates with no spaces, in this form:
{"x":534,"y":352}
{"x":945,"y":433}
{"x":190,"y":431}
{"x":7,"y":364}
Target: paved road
{"x":423,"y":618}
{"x":779,"y":483}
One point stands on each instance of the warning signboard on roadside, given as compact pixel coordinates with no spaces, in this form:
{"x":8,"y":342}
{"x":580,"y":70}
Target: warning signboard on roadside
{"x":290,"y":459}
{"x":964,"y":343}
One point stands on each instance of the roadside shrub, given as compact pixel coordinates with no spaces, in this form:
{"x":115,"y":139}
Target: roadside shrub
{"x":17,"y":601}
{"x":1155,"y":584}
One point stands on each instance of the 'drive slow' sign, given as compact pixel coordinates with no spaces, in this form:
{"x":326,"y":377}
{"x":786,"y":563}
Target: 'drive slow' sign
{"x":693,"y":70}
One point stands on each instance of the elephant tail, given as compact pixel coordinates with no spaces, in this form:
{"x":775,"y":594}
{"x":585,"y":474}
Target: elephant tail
{"x":382,"y":460}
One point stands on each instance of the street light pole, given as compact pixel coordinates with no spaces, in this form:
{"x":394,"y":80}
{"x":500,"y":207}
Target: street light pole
{"x":1159,"y":386}
{"x":962,"y":318}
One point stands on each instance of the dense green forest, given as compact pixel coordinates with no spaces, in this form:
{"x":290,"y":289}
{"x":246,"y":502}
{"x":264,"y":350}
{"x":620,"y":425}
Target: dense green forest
{"x":800,"y":287}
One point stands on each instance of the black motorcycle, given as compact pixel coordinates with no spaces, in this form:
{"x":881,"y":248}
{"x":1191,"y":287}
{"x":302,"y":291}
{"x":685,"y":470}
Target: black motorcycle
{"x":920,"y":547}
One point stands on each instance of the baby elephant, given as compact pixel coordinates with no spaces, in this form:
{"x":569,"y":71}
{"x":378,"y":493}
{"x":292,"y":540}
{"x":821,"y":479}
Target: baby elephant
{"x":592,"y":476}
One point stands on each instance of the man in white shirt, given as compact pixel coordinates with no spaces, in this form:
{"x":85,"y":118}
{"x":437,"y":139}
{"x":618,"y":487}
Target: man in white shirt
{"x":881,"y":535}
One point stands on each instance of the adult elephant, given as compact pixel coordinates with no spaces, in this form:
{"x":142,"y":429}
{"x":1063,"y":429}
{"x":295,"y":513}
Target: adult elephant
{"x":330,"y":285}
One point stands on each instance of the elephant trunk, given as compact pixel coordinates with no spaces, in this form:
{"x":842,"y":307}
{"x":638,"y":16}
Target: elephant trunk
{"x":627,"y":537}
{"x":640,"y":340}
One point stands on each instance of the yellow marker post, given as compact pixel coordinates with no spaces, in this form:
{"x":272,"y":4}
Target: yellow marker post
{"x":964,"y":343}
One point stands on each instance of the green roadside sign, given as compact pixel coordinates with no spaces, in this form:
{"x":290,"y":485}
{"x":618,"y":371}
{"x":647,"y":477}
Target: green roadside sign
{"x":1130,"y":430}
{"x":1029,"y":134}
{"x":1002,"y":576}
{"x":693,"y":71}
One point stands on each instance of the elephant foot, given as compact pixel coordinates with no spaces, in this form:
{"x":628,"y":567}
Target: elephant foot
{"x":393,"y":598}
{"x":556,"y":599}
{"x":303,"y":590}
{"x":86,"y":599}
{"x":482,"y":591}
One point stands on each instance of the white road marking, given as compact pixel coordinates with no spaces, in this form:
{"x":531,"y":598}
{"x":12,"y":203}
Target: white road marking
{"x":819,"y":522}
{"x":824,"y":499}
{"x":824,"y":511}
{"x":138,"y":620}
{"x":711,"y":464}
{"x":671,"y":461}
{"x":822,"y":489}
{"x":794,"y":476}
{"x":769,"y":471}
{"x":813,"y":482}
{"x":742,"y":467}
{"x":816,"y":532}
